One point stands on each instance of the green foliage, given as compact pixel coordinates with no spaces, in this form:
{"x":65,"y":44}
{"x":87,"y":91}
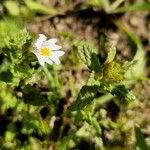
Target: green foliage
{"x":88,"y":56}
{"x":17,"y":57}
{"x":111,"y":55}
{"x":138,"y":61}
{"x":9,"y":26}
{"x":63,"y":145}
{"x":12,"y":4}
{"x":6,"y":76}
{"x":85,"y":97}
{"x":123,"y":93}
{"x":7,"y":100}
{"x":140,"y":141}
{"x":113,"y":72}
{"x":37,"y":7}
{"x":105,"y":78}
{"x":118,"y":6}
{"x":27,"y":8}
{"x":133,"y":7}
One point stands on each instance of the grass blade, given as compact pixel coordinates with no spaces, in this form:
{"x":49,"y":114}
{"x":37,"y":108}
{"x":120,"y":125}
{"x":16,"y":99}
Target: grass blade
{"x":133,"y":7}
{"x":140,"y":141}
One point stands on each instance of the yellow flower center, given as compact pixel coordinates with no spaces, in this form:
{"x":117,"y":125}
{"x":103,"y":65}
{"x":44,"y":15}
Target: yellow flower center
{"x":45,"y":52}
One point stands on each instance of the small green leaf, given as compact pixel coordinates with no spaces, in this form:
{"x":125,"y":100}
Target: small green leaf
{"x":88,"y":56}
{"x":85,"y":97}
{"x":84,"y":52}
{"x":123,"y":93}
{"x":111,"y":55}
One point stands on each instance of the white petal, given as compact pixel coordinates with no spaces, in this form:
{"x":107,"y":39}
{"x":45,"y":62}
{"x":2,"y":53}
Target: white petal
{"x":58,"y":53}
{"x":40,"y":41}
{"x":40,"y":59}
{"x":42,"y":37}
{"x":55,"y":59}
{"x":53,"y":47}
{"x":48,"y":61}
{"x":51,"y":44}
{"x":56,"y":47}
{"x":51,"y":41}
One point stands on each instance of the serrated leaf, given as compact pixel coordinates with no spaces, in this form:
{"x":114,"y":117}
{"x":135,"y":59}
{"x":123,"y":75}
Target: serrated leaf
{"x":87,"y":55}
{"x":122,"y":92}
{"x":111,"y":55}
{"x":84,"y":52}
{"x":85,"y":97}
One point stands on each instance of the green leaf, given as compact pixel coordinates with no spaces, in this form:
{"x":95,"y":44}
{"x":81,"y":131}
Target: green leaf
{"x":88,"y":56}
{"x":16,"y":51}
{"x":95,"y":63}
{"x":6,"y":76}
{"x":123,"y":93}
{"x":140,"y":141}
{"x":111,"y":55}
{"x":138,"y":68}
{"x":12,"y":4}
{"x":35,"y":6}
{"x":84,"y":52}
{"x":65,"y":141}
{"x":85,"y":97}
{"x":128,"y":65}
{"x":133,"y":7}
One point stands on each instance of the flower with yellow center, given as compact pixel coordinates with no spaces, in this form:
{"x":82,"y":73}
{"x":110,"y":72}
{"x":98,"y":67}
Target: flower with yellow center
{"x":47,"y":50}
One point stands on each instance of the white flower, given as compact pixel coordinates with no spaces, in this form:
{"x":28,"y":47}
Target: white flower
{"x":47,"y":50}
